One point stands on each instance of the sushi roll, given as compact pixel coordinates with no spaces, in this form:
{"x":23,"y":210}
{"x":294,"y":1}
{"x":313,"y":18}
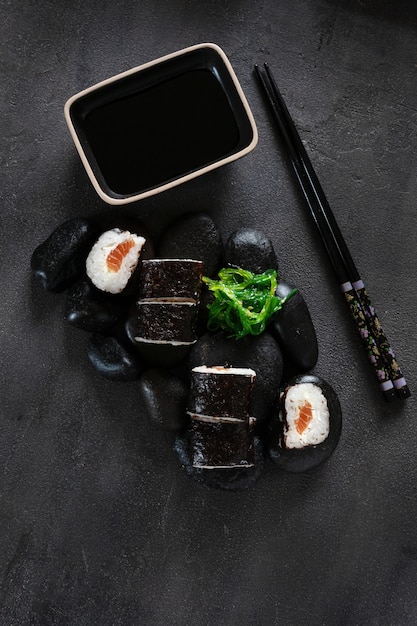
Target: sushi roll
{"x":306,"y":426}
{"x":221,"y":391}
{"x":233,"y":479}
{"x":165,"y":322}
{"x":177,"y":279}
{"x":113,"y":260}
{"x":219,"y":443}
{"x":222,"y":443}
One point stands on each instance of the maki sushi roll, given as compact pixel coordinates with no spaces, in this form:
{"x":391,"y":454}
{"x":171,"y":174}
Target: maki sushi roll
{"x":219,"y":448}
{"x":222,"y":443}
{"x":165,"y":322}
{"x":306,"y":424}
{"x":238,"y":478}
{"x":222,"y":432}
{"x":162,"y":324}
{"x":113,"y":260}
{"x":177,"y":279}
{"x":221,"y":391}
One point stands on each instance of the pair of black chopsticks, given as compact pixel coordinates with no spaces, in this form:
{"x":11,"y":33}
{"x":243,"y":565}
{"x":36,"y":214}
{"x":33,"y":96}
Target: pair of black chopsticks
{"x":385,"y":366}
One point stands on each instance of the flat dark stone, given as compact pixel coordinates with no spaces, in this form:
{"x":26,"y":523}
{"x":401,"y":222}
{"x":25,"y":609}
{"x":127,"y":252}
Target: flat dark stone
{"x":251,"y":250}
{"x":113,"y":360}
{"x":91,"y":310}
{"x":165,"y":398}
{"x":60,"y":259}
{"x":294,"y":330}
{"x":193,"y":236}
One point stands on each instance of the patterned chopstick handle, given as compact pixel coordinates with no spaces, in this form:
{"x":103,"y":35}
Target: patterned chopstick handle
{"x":385,"y":349}
{"x":368,"y":341}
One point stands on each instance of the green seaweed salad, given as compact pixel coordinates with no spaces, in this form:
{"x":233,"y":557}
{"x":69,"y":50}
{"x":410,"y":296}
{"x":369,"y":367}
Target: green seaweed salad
{"x":244,"y":302}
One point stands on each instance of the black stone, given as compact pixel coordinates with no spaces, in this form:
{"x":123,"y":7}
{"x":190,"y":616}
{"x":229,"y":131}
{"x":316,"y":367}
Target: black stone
{"x":206,"y":298}
{"x":261,"y":353}
{"x":305,"y":459}
{"x":194,"y":236}
{"x":89,"y":309}
{"x":250,"y":249}
{"x":294,"y":330}
{"x":165,"y":398}
{"x":112,"y":359}
{"x":60,"y":259}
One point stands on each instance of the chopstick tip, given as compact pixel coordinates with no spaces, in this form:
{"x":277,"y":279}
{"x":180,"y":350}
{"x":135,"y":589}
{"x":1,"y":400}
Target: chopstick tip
{"x":404,"y":392}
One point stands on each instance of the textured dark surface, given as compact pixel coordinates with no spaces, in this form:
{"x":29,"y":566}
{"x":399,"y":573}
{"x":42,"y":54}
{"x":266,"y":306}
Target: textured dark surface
{"x":98,"y":523}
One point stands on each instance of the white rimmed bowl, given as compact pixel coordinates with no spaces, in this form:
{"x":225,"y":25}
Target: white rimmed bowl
{"x":161,"y":124}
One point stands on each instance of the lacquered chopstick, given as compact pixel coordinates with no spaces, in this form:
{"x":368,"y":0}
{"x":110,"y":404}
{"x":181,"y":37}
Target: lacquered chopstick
{"x":392,"y":366}
{"x":386,"y":369}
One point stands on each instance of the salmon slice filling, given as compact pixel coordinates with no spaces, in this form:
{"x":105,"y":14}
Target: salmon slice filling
{"x":304,"y":418}
{"x":115,"y":258}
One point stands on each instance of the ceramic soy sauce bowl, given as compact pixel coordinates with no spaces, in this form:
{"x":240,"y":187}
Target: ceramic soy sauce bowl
{"x":161,"y":124}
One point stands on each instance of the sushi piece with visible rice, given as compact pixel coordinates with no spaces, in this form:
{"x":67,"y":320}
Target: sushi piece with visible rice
{"x":219,"y":448}
{"x":222,"y":443}
{"x":221,"y":391}
{"x":177,"y":279}
{"x":163,"y":322}
{"x":113,"y":260}
{"x":233,"y":479}
{"x":305,"y":416}
{"x":306,"y":425}
{"x":221,"y":431}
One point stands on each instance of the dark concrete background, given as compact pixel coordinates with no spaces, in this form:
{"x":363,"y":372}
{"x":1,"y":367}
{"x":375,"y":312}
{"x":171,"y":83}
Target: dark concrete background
{"x":98,"y":525}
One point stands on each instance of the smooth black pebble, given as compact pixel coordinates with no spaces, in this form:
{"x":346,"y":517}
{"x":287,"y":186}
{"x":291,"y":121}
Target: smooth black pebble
{"x":294,"y":330}
{"x":91,"y":310}
{"x":112,"y":359}
{"x":165,"y":398}
{"x":194,"y":236}
{"x":251,"y":250}
{"x":60,"y":259}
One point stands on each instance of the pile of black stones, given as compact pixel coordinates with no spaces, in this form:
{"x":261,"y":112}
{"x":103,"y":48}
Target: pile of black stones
{"x":288,"y":348}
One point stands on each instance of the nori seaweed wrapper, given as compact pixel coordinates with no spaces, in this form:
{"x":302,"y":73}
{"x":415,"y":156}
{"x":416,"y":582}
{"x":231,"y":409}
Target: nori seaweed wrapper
{"x":230,"y":479}
{"x":221,"y":443}
{"x":166,"y":321}
{"x":171,"y":278}
{"x":222,"y":393}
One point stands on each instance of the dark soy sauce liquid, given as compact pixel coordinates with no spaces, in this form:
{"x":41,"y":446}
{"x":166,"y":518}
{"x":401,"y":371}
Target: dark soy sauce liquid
{"x":159,"y":134}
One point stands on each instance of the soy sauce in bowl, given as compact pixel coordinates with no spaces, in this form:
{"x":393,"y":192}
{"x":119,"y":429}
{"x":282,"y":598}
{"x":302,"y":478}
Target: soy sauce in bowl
{"x":161,"y":124}
{"x":153,"y":136}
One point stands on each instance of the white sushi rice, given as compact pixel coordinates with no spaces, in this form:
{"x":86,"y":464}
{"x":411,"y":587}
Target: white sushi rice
{"x":96,"y":264}
{"x":318,"y":428}
{"x":221,"y":369}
